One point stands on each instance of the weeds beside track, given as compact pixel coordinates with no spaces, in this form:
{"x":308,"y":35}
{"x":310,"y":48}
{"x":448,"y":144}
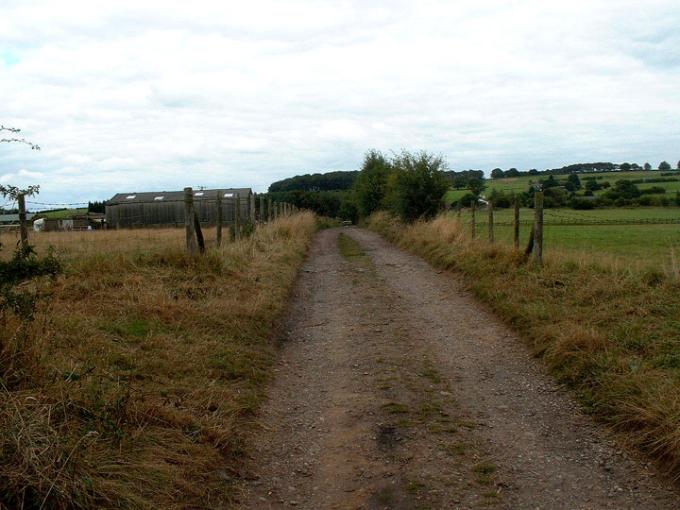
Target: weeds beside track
{"x":136,"y":383}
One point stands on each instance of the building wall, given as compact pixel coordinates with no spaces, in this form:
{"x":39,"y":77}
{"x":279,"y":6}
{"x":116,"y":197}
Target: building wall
{"x":171,"y":213}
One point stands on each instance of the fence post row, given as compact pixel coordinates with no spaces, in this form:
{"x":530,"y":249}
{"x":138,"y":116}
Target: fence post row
{"x":189,"y":220}
{"x":491,"y":221}
{"x":516,"y":224}
{"x":472,"y":211}
{"x":23,"y":228}
{"x":538,"y":227}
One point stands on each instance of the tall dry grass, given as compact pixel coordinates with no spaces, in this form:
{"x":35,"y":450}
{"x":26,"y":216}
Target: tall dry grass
{"x":610,"y":332}
{"x":135,"y":385}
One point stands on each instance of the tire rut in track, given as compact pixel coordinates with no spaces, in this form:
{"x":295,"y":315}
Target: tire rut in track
{"x":396,"y":390}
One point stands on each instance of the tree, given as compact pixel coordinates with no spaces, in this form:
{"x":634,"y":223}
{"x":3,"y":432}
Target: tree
{"x":497,"y":173}
{"x":625,"y":167}
{"x":13,"y":192}
{"x":96,"y":207}
{"x":417,"y":185}
{"x":647,"y":167}
{"x":592,"y":184}
{"x":624,"y":189}
{"x":664,"y":166}
{"x":678,"y":165}
{"x":371,"y":184}
{"x":24,"y":265}
{"x":550,"y":182}
{"x":573,"y":182}
{"x":513,"y":172}
{"x":14,"y":139}
{"x":330,"y":181}
{"x":476,"y":186}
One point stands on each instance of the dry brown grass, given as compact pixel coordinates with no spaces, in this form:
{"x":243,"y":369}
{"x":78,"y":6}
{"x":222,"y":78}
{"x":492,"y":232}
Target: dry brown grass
{"x":136,"y":384}
{"x":611,"y":332}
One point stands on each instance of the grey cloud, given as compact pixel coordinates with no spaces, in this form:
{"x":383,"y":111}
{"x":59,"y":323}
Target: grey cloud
{"x":162,"y":95}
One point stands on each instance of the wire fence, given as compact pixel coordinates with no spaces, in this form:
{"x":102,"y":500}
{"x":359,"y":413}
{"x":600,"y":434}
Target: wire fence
{"x":647,"y":236}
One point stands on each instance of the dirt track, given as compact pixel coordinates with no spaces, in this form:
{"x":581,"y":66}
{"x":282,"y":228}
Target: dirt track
{"x":396,"y":389}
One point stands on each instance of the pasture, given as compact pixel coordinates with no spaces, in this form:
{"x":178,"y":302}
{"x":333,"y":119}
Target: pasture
{"x":596,"y":232}
{"x":643,"y":180}
{"x":520,"y":184}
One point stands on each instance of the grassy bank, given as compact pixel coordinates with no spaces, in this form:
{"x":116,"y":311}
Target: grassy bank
{"x":611,"y":333}
{"x":136,"y":383}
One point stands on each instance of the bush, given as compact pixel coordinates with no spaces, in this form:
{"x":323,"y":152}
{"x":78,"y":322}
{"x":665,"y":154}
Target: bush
{"x":371,"y":184}
{"x":654,"y":190}
{"x":467,"y":200}
{"x":501,"y":199}
{"x":581,"y":204}
{"x":555,"y":197}
{"x":417,"y":185}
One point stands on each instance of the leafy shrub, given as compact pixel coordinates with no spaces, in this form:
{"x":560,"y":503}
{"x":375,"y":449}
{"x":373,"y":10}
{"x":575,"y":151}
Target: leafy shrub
{"x":583,"y":205}
{"x":654,"y":190}
{"x":371,"y":184}
{"x":417,"y":185}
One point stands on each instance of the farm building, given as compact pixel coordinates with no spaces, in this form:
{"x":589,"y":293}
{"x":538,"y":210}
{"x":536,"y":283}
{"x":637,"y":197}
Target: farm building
{"x":167,"y":207}
{"x":11,"y":221}
{"x":88,"y":221}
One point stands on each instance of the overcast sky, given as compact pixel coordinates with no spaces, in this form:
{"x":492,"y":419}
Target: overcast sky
{"x":131,"y":96}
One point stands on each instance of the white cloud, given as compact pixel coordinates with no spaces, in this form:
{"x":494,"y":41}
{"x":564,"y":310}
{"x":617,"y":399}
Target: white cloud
{"x":148,"y":95}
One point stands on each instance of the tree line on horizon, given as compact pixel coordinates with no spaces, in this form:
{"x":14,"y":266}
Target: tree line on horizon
{"x":412,"y":186}
{"x":665,"y":166}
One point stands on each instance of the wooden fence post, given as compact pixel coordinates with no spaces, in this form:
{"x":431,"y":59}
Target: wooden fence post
{"x":237,"y":216}
{"x":270,"y":213}
{"x":472,"y":211}
{"x":23,"y":229}
{"x":491,"y":221}
{"x":199,"y":232}
{"x":220,"y":219}
{"x":189,"y":220}
{"x":538,"y":227}
{"x":252,"y":208}
{"x":263,"y":218}
{"x":516,"y":224}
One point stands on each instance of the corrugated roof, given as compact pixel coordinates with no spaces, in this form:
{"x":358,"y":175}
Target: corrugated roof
{"x":173,"y":196}
{"x":13,"y":218}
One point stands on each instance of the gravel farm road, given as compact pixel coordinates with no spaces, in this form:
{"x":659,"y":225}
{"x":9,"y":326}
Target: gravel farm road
{"x":396,"y":389}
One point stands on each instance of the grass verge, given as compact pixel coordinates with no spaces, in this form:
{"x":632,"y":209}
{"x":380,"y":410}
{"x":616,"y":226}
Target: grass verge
{"x":610,"y":333}
{"x":136,"y":384}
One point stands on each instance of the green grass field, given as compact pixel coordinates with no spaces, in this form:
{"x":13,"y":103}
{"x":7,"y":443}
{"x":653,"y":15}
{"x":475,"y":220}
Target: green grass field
{"x":644,"y":244}
{"x":64,"y":213}
{"x":520,"y":184}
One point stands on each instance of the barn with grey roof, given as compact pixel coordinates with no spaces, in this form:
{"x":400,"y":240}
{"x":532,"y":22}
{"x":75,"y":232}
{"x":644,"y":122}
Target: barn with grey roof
{"x":160,"y":208}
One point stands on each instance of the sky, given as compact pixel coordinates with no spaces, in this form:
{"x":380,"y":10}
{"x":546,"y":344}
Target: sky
{"x":150,"y":96}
